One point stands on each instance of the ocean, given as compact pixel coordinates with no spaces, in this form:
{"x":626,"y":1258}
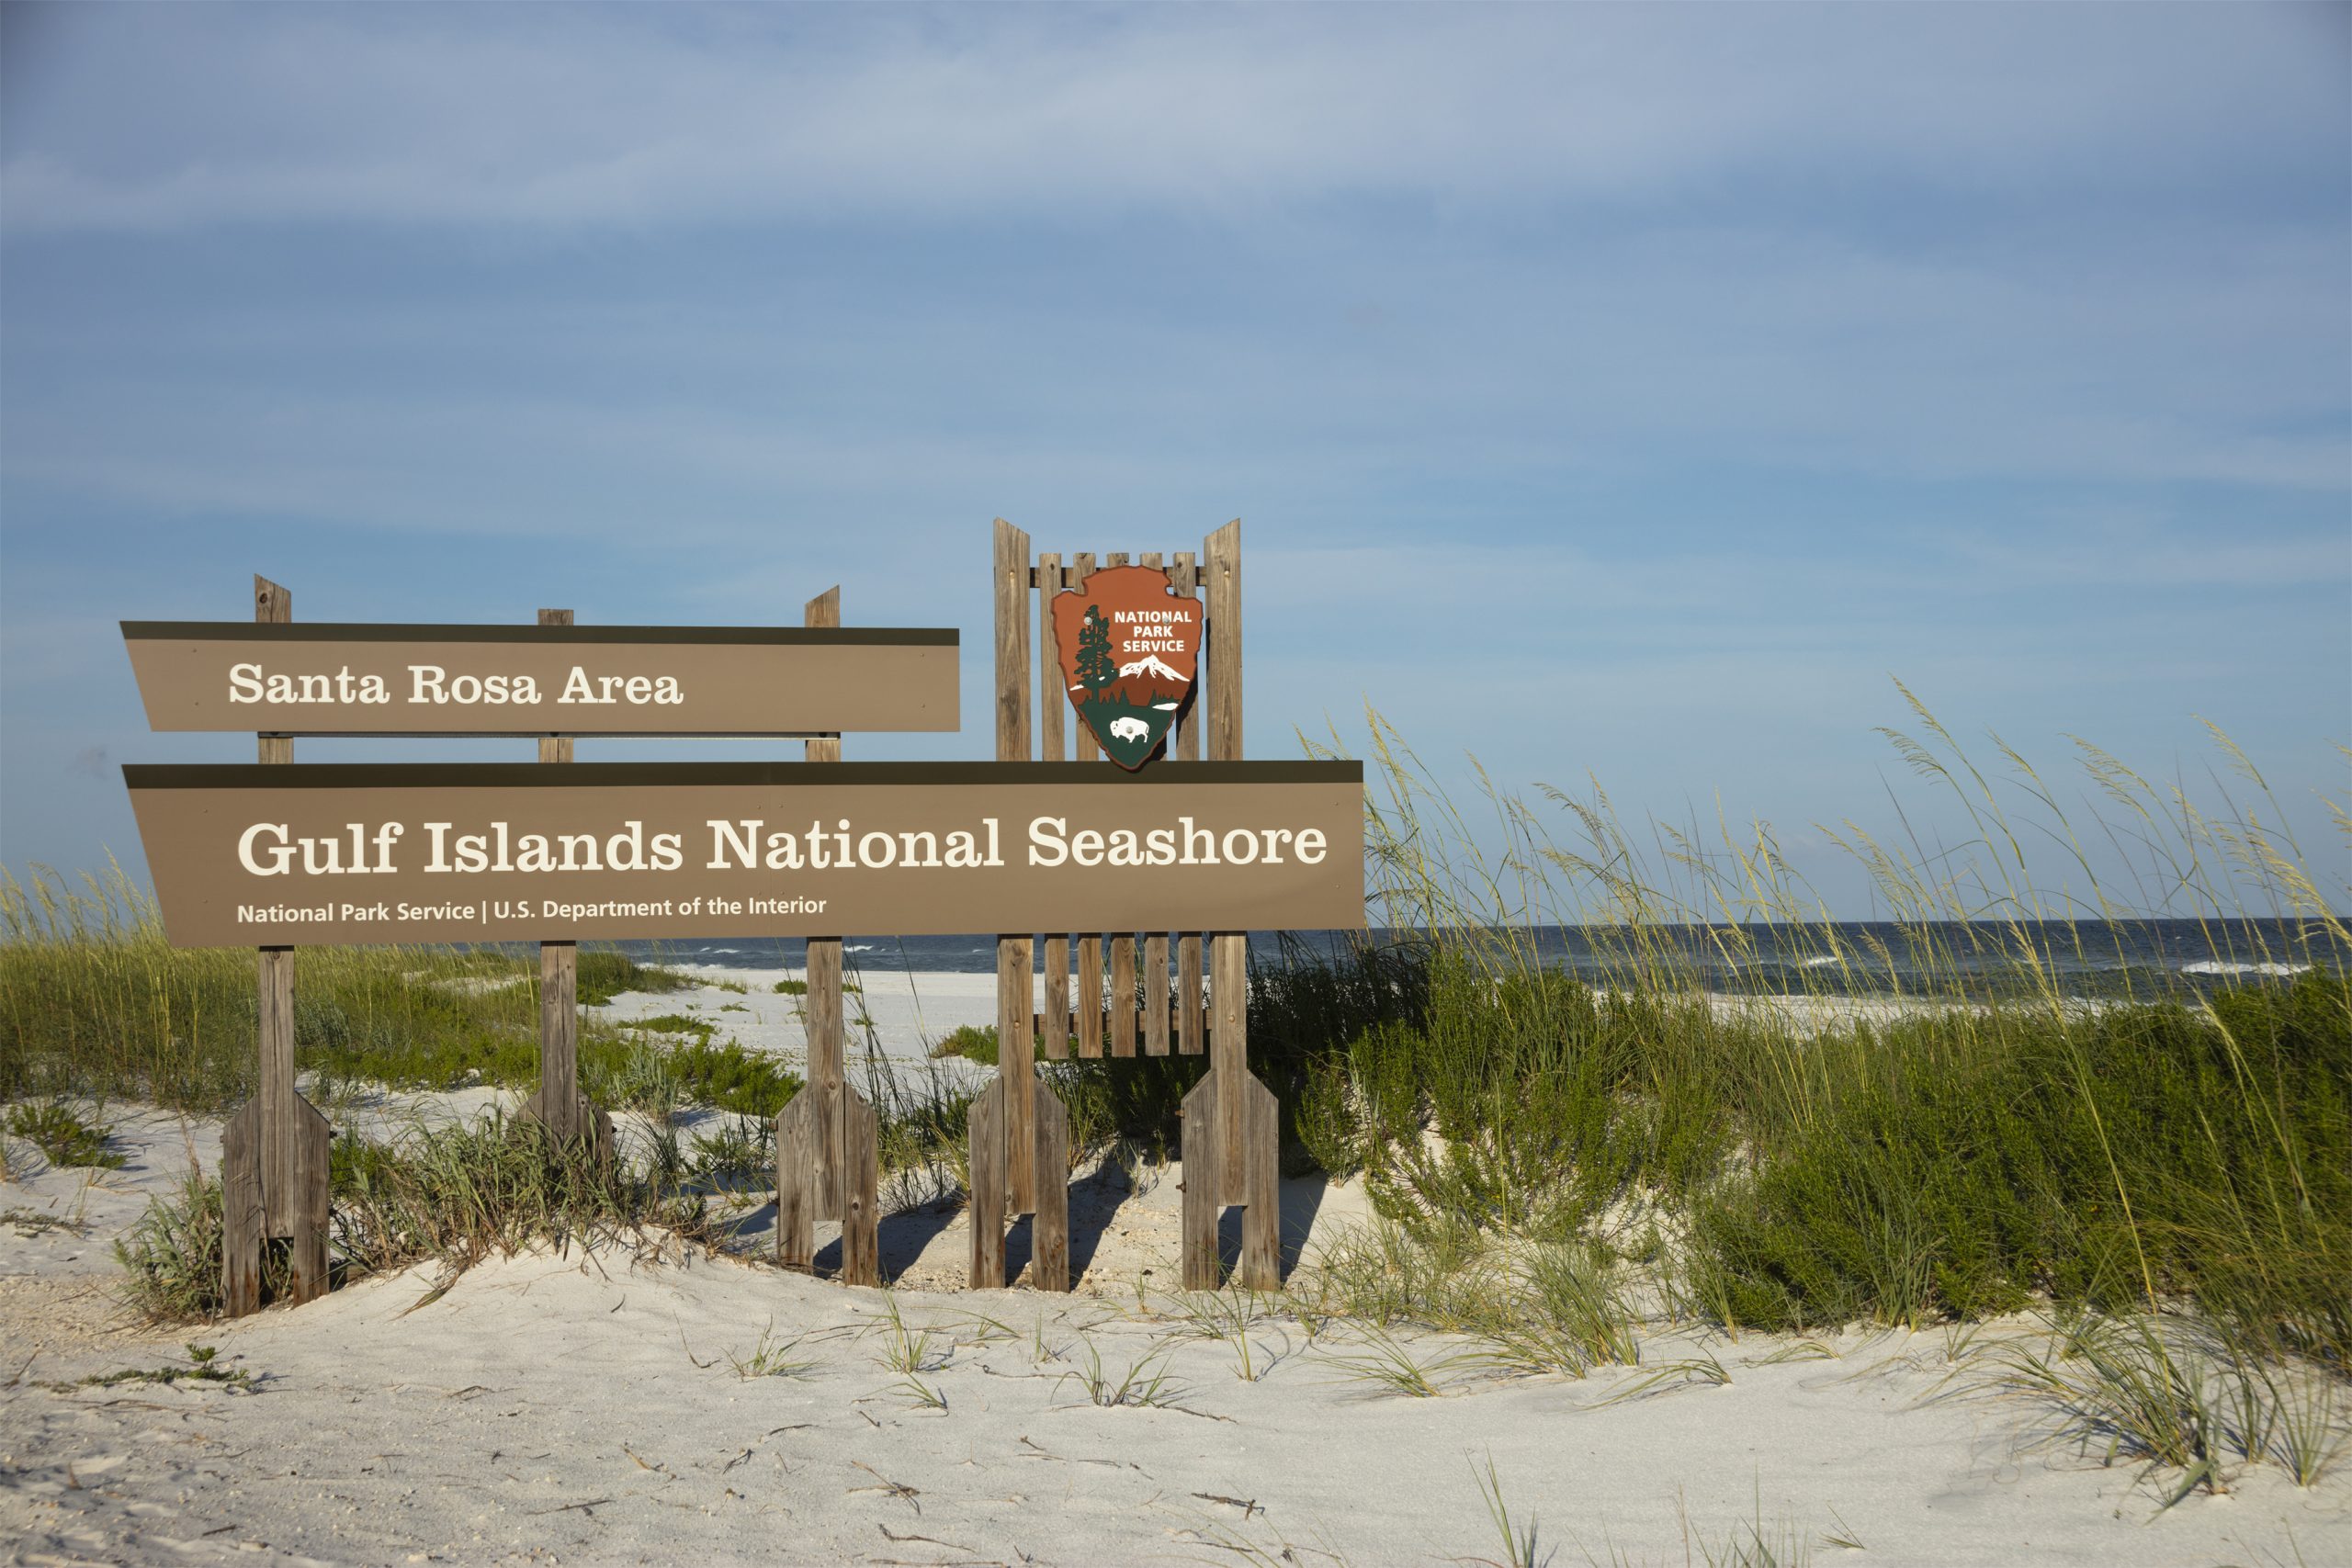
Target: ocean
{"x":2085,"y":958}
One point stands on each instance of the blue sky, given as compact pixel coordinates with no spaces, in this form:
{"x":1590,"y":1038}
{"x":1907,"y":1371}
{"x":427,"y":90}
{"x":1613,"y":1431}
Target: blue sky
{"x":1622,"y":393}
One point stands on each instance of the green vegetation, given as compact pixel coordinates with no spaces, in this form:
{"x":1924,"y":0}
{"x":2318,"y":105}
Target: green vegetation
{"x":450,"y":1194}
{"x":700,"y":1029}
{"x":202,"y":1367}
{"x":603,"y":975}
{"x":94,"y":1001}
{"x":63,"y":1135}
{"x":1557,"y":1160}
{"x":973,"y":1042}
{"x":1988,"y":1146}
{"x":658,"y":1077}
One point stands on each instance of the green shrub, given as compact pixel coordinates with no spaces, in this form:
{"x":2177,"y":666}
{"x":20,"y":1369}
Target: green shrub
{"x":434,"y":1192}
{"x":63,"y":1135}
{"x":973,"y":1042}
{"x":603,"y":975}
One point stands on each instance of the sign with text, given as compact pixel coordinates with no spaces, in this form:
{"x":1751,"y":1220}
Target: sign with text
{"x":324,"y":679}
{"x":1130,"y":650}
{"x":332,"y":855}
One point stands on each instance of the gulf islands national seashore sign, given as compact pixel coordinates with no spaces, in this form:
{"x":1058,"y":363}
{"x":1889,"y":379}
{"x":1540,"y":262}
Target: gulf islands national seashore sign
{"x":306,"y":854}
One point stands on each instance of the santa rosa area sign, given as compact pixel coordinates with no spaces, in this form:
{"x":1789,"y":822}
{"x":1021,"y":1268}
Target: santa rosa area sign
{"x":311,"y":855}
{"x":312,"y":678}
{"x":1130,"y":649}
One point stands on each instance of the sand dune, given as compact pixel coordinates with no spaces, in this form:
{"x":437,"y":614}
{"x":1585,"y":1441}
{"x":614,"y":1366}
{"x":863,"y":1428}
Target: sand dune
{"x":597,"y":1409}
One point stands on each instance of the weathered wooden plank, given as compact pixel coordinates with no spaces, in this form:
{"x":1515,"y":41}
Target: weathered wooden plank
{"x":1123,"y":996}
{"x":1222,"y":571}
{"x":244,"y":1216}
{"x":275,"y":1088}
{"x":557,"y":1104}
{"x":559,"y":1096}
{"x":1089,"y":999}
{"x":1228,"y":950}
{"x":1013,"y":684}
{"x":822,"y":1006}
{"x":986,"y":1215}
{"x":822,"y":1010}
{"x":1087,"y":748}
{"x":1262,"y":1243}
{"x":1122,"y":948}
{"x":307,"y":1234}
{"x":1053,"y":712}
{"x":1040,"y":1155}
{"x":824,"y":610}
{"x":862,"y":1174}
{"x":1052,"y":1024}
{"x":273,"y":603}
{"x":797,"y":1128}
{"x":1015,"y":1051}
{"x":274,"y":1168}
{"x":1191,"y":1025}
{"x":1191,"y":1034}
{"x":274,"y":993}
{"x":1228,"y":1050}
{"x":1155,"y":994}
{"x":1202,"y":1185}
{"x":1049,"y":1232}
{"x":1017,"y":1070}
{"x":555,"y":747}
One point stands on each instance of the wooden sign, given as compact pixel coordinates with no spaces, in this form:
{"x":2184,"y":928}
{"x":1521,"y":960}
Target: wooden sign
{"x":326,"y":679}
{"x":1129,"y":650}
{"x":332,"y":855}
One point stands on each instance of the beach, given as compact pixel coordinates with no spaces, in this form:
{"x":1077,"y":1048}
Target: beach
{"x":662,"y":1403}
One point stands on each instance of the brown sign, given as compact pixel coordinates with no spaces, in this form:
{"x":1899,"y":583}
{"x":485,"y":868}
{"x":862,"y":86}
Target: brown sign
{"x":324,"y":679}
{"x":332,"y":855}
{"x":1130,"y":649}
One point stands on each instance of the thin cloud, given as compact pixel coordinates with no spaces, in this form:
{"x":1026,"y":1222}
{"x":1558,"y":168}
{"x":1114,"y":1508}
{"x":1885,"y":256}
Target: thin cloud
{"x":144,"y":117}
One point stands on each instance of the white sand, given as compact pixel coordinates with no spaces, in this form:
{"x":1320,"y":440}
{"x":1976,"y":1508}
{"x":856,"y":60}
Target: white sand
{"x":585,"y":1409}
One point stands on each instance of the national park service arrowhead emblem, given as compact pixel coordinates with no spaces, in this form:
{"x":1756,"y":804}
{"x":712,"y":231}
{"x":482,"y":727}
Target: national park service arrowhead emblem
{"x":1129,"y":649}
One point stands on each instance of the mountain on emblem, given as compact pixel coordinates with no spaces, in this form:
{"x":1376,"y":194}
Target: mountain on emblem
{"x":1130,"y":649}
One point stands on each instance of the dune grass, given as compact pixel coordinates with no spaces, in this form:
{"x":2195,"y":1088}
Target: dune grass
{"x":1991,"y":1143}
{"x":448,"y":1194}
{"x":65,"y":1134}
{"x":94,"y":1000}
{"x":1556,"y":1158}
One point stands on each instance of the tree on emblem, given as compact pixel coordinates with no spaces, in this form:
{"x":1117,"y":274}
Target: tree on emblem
{"x":1096,"y":668}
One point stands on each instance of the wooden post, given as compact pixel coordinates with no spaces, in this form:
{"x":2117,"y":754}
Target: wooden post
{"x":273,"y":1151}
{"x":1154,"y":975}
{"x":1053,"y":1031}
{"x":1015,"y":1053}
{"x":1191,"y":1033}
{"x":558,"y":1106}
{"x":1020,"y":1136}
{"x":1089,"y":998}
{"x":826,"y":1153}
{"x":1230,"y":1122}
{"x":986,"y":1163}
{"x":558,"y":1103}
{"x":558,"y":987}
{"x":1123,"y":943}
